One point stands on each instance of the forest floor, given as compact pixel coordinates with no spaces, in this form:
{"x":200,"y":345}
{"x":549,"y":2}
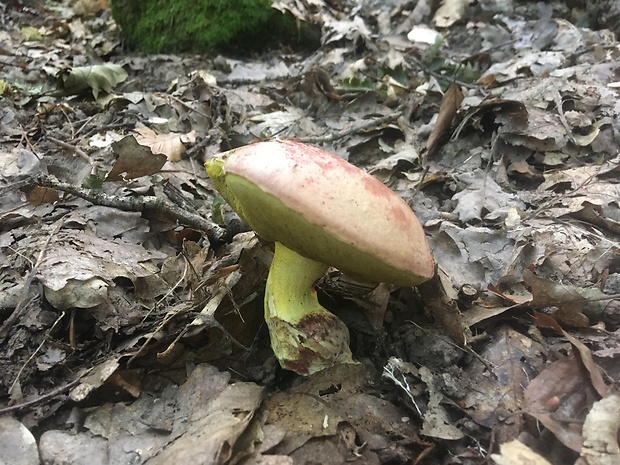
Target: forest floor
{"x":131,"y":297}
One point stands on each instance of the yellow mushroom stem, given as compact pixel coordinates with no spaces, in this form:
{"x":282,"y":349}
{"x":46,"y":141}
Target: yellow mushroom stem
{"x":305,"y":337}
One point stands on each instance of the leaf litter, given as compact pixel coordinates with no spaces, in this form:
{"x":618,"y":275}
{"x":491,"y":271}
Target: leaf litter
{"x":131,"y":296}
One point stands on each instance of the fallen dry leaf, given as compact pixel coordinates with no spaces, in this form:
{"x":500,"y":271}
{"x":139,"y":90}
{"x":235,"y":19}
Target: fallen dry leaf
{"x":170,"y":144}
{"x":567,"y":299}
{"x":450,"y":103}
{"x":449,"y":12}
{"x":517,"y":453}
{"x":560,"y":397}
{"x":595,"y":371}
{"x":496,"y":396}
{"x":134,"y":160}
{"x":600,"y":432}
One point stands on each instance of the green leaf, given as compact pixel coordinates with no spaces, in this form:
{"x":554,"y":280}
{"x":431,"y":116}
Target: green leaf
{"x":355,"y":84}
{"x":96,"y":78}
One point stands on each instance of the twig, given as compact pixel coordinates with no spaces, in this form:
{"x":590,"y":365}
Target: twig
{"x":421,"y":181}
{"x":557,"y":199}
{"x":53,"y":393}
{"x":137,"y":204}
{"x":372,"y":124}
{"x":188,"y":106}
{"x":73,"y":149}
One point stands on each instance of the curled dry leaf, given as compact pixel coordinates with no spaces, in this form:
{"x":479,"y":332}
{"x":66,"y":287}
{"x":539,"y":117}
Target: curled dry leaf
{"x":170,"y":144}
{"x":450,"y":103}
{"x":585,"y":354}
{"x":99,"y":375}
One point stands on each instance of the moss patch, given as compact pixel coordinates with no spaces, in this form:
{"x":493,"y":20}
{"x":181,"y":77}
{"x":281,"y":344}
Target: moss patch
{"x":198,"y":26}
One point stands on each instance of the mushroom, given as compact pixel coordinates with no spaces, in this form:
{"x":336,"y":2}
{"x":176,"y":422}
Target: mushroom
{"x":320,"y":211}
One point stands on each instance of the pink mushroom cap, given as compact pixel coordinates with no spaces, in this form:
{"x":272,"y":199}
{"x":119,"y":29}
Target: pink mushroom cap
{"x":328,"y":210}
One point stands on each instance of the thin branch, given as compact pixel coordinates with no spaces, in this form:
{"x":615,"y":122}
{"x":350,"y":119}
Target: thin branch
{"x":80,"y":153}
{"x":50,"y":395}
{"x":147,"y":203}
{"x":372,"y":124}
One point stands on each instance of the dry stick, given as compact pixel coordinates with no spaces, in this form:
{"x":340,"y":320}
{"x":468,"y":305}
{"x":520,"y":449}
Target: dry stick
{"x":72,"y":148}
{"x":28,"y":143}
{"x":557,"y":99}
{"x":375,"y":123}
{"x":188,"y":106}
{"x":549,"y":203}
{"x":105,"y":127}
{"x":83,"y":124}
{"x":43,"y":398}
{"x":137,"y":204}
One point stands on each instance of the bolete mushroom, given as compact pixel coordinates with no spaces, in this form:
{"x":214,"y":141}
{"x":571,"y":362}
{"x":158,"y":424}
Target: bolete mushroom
{"x":320,"y":211}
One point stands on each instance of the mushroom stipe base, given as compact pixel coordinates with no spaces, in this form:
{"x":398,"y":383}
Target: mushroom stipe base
{"x":306,"y":337}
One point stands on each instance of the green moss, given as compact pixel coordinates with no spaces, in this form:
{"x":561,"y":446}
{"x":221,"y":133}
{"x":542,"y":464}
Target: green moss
{"x":158,"y":26}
